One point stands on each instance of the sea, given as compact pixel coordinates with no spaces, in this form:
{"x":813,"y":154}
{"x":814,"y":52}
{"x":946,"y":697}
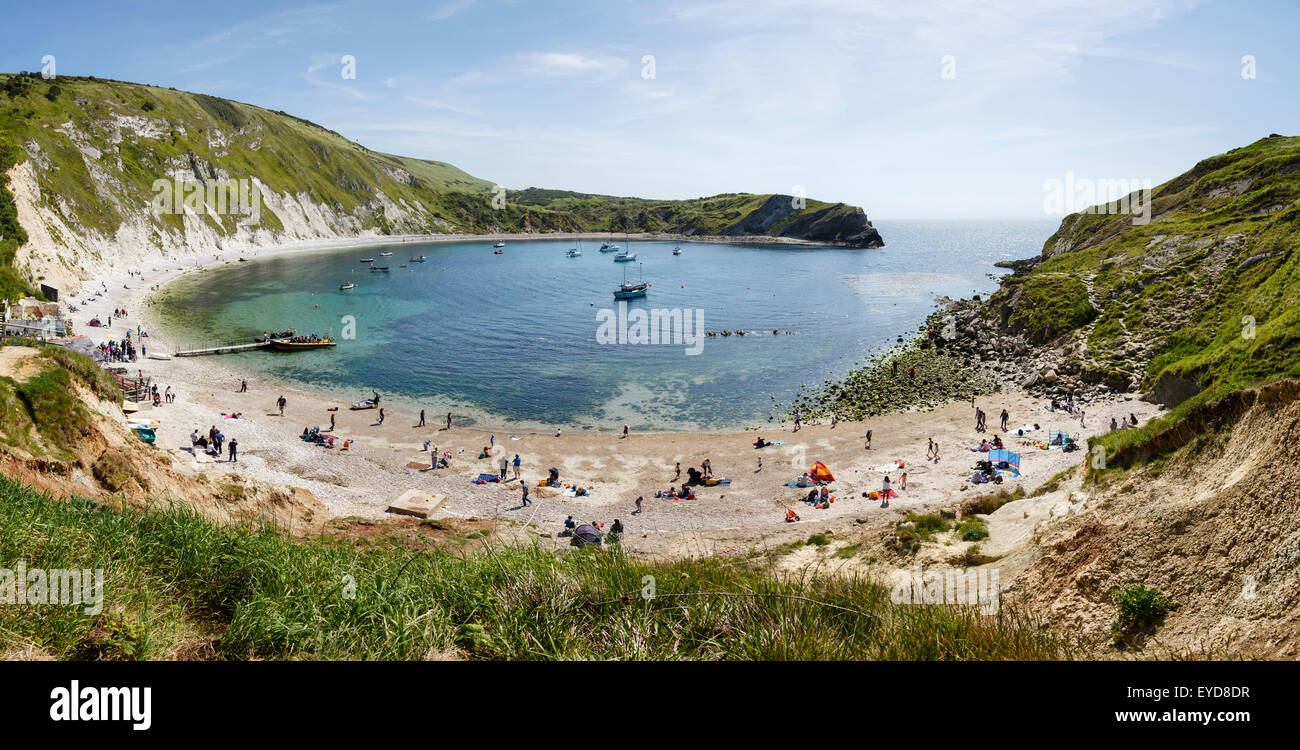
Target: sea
{"x":530,"y":339}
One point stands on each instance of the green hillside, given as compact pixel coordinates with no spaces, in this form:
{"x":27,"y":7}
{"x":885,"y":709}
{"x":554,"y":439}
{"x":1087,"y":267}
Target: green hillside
{"x":98,"y":146}
{"x":1201,"y":302}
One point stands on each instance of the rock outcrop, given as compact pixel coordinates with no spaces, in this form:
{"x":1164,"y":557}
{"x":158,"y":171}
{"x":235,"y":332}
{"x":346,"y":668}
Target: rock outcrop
{"x":785,"y":216}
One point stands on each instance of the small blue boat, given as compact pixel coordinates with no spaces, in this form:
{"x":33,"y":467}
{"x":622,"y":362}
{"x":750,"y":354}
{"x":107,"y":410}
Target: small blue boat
{"x":628,"y":290}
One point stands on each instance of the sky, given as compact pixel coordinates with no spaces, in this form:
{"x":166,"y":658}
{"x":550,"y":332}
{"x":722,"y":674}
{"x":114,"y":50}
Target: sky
{"x":908,"y":108}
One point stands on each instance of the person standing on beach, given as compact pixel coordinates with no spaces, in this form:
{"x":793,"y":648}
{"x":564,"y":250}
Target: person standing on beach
{"x":243,"y":386}
{"x":760,"y":464}
{"x":381,"y":416}
{"x":505,"y":465}
{"x":640,"y":500}
{"x":492,"y":441}
{"x":525,"y":498}
{"x":280,"y":402}
{"x":421,"y":418}
{"x":678,"y":475}
{"x":902,"y":482}
{"x":517,"y":462}
{"x":449,"y":420}
{"x":1005,"y":417}
{"x":331,"y":421}
{"x":868,"y":439}
{"x":625,"y":432}
{"x":929,"y":448}
{"x":234,"y":450}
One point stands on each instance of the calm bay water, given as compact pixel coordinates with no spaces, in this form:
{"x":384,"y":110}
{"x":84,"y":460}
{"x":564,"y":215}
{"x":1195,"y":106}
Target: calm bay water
{"x":512,"y":338}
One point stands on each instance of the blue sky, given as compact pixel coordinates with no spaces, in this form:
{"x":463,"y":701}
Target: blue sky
{"x":845,"y":99}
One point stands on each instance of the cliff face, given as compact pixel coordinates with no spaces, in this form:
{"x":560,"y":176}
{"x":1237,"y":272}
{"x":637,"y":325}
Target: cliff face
{"x":784,"y":216}
{"x":102,"y":172}
{"x":1205,"y":296}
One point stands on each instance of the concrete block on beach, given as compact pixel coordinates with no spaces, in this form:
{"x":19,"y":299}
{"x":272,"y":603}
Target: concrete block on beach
{"x":417,"y":503}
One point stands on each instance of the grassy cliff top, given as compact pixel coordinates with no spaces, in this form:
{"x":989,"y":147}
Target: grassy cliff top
{"x":98,"y":147}
{"x":1202,"y":301}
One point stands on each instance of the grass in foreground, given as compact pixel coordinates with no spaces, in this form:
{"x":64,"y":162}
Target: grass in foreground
{"x":178,"y":585}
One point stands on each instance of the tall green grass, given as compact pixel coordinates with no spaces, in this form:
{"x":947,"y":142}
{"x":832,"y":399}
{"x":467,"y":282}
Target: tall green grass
{"x":174,"y":579}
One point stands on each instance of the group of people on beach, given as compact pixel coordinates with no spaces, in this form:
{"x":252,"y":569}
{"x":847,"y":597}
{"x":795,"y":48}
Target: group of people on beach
{"x":213,"y":442}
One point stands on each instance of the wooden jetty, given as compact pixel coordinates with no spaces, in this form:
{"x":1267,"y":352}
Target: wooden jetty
{"x":226,"y":349}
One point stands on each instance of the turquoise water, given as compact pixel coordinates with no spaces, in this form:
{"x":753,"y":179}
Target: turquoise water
{"x":512,"y":338}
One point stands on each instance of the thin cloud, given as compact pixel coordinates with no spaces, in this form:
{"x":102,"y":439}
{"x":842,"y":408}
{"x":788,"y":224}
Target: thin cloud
{"x":447,"y":10}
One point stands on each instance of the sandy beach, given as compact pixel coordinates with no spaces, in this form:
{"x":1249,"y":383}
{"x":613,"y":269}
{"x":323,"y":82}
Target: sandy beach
{"x":389,"y":459}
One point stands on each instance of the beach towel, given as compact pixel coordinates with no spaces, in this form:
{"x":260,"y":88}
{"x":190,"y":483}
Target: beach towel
{"x":888,"y":468}
{"x":485,"y":478}
{"x":801,"y":485}
{"x":1024,"y":429}
{"x":876,"y":495}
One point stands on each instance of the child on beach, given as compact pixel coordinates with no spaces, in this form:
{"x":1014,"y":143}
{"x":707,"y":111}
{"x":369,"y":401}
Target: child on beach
{"x":640,"y":500}
{"x":760,"y":464}
{"x":868,"y":439}
{"x":902,"y":483}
